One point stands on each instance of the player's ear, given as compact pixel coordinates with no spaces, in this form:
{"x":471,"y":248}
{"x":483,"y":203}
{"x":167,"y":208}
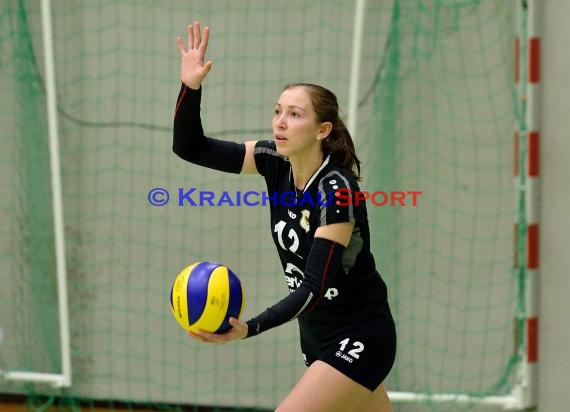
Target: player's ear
{"x":324,"y":130}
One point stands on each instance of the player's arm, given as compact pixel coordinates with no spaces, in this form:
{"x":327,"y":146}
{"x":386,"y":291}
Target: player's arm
{"x":332,"y":236}
{"x":322,"y":265}
{"x":189,"y":141}
{"x":336,"y":232}
{"x":249,"y":166}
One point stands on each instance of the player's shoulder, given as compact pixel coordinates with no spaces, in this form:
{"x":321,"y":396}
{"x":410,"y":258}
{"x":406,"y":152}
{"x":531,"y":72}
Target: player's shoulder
{"x":268,"y":161}
{"x":267,"y":147}
{"x":334,"y":177}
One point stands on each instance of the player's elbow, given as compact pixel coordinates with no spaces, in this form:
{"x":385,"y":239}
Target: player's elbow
{"x":180,"y":152}
{"x":312,"y":298}
{"x":185,"y":151}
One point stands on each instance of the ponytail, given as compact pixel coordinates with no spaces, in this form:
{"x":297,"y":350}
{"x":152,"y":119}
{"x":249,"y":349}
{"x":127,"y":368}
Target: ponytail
{"x":340,"y":146}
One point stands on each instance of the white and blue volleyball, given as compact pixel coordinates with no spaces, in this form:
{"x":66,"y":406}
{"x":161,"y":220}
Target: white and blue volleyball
{"x":205,"y":295}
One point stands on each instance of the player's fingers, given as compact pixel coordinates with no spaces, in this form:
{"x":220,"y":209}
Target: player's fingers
{"x":190,"y":33}
{"x":208,"y":66}
{"x":239,"y":328}
{"x":196,"y":26}
{"x":180,"y":45}
{"x":205,"y":37}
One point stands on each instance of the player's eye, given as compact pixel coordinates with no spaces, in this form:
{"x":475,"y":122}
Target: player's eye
{"x":295,"y":114}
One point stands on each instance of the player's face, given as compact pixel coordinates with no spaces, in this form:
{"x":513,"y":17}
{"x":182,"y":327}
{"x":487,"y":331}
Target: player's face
{"x":295,"y":125}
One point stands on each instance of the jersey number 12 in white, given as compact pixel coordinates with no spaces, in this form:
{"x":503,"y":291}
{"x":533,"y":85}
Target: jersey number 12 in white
{"x":357,"y":347}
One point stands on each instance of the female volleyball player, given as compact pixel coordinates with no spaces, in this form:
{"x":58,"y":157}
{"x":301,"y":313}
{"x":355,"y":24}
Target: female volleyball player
{"x":347,"y":332}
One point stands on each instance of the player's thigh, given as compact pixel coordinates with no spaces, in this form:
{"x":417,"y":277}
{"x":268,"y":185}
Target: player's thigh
{"x":377,"y":401}
{"x":322,"y":388}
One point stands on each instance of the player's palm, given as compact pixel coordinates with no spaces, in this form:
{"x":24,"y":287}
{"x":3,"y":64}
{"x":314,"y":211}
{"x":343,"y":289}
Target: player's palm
{"x":236,"y":332}
{"x":193,"y":70}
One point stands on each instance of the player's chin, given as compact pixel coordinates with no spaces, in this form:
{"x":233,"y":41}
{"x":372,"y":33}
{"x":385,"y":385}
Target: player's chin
{"x":282,"y":148}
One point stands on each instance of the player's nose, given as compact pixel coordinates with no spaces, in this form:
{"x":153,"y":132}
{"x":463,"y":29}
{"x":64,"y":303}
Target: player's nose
{"x":279,"y":121}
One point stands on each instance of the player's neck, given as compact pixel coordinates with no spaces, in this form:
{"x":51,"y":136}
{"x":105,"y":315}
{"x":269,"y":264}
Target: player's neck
{"x":304,"y":167}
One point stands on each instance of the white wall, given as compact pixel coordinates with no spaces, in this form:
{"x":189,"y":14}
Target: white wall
{"x":554,"y":330}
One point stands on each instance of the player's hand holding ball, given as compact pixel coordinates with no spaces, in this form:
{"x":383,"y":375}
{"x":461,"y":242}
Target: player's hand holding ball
{"x":238,"y":331}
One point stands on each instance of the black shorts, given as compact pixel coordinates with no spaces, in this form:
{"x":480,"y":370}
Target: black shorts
{"x":364,"y":358}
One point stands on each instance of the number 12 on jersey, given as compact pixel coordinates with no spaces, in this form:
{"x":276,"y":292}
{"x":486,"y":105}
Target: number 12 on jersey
{"x":357,"y":347}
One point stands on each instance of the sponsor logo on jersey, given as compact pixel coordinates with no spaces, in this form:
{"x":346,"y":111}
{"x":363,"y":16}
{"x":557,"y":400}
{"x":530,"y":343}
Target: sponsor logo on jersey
{"x":305,"y":214}
{"x":293,"y":276}
{"x":331,"y":293}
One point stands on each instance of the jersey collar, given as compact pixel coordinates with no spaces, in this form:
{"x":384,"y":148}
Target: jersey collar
{"x":313,"y":177}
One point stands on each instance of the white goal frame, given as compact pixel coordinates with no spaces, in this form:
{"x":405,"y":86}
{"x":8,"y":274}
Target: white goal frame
{"x":62,"y":379}
{"x":523,"y":394}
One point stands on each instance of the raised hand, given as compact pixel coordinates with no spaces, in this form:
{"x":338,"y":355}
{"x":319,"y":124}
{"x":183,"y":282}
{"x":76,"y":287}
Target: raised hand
{"x":193,"y":70}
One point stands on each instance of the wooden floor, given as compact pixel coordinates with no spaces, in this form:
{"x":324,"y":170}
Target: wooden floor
{"x":11,"y":407}
{"x":22,"y":407}
{"x":19,"y":404}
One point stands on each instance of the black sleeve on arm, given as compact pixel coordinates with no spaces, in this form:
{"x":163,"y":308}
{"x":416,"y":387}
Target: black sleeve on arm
{"x":322,"y":264}
{"x":189,"y":141}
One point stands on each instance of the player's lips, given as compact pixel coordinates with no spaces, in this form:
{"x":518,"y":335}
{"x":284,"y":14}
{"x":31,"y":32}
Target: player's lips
{"x":280,"y":138}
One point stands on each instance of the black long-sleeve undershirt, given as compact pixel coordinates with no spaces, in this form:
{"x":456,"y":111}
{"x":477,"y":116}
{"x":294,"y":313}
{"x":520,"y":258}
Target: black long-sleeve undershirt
{"x":322,"y":264}
{"x":190,"y":143}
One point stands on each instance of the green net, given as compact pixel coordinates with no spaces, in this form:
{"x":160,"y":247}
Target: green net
{"x":27,"y":262}
{"x":436,"y":114}
{"x":441,"y":121}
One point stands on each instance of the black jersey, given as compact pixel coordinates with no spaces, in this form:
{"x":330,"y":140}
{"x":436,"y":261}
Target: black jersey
{"x":356,"y":295}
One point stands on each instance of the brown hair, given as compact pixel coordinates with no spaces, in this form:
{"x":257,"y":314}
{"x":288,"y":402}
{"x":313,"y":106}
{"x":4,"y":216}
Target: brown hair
{"x":339,"y":143}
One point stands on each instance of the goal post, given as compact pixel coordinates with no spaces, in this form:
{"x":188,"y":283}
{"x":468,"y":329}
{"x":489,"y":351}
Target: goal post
{"x":62,"y":379}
